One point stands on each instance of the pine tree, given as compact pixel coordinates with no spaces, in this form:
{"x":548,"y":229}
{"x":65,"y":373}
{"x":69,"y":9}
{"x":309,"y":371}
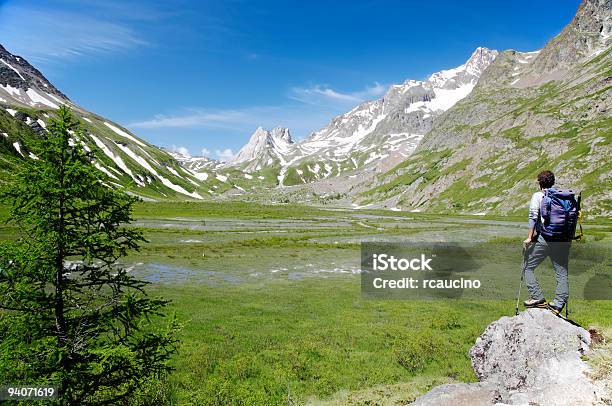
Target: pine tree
{"x":70,"y":315}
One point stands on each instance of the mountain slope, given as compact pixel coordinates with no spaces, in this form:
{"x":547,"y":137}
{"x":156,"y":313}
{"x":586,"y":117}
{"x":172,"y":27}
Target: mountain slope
{"x":529,"y":112}
{"x":28,"y":99}
{"x":371,"y":137}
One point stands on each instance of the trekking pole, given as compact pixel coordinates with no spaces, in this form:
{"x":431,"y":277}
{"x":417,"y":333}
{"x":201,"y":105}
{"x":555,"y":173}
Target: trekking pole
{"x":567,"y":302}
{"x":518,"y":296}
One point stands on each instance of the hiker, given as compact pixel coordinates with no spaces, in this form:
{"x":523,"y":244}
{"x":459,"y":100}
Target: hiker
{"x":552,"y":223}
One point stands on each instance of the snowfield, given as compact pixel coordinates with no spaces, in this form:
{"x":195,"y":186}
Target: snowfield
{"x":122,"y":133}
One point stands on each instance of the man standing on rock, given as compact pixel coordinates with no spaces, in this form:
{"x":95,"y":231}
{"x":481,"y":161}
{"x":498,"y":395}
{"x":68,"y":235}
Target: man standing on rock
{"x":552,"y":223}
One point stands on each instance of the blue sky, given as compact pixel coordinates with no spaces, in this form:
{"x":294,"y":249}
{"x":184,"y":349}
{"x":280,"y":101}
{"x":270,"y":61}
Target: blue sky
{"x":203,"y":75}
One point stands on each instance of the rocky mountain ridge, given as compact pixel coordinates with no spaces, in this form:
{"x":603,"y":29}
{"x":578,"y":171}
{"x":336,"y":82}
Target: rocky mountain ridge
{"x":25,"y":84}
{"x":529,"y":112}
{"x":368,"y":137}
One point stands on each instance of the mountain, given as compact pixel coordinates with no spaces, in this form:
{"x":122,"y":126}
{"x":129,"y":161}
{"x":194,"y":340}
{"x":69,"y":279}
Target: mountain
{"x":263,"y":149}
{"x":465,"y":140}
{"x":373,"y":136}
{"x":196,"y":164}
{"x":219,"y":180}
{"x":548,"y":109}
{"x":28,"y":99}
{"x":25,"y":85}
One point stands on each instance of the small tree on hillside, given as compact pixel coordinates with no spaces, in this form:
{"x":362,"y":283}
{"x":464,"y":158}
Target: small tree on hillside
{"x":69,"y":315}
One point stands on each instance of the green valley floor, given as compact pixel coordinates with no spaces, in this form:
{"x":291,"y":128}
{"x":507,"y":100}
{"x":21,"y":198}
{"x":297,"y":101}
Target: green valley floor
{"x":272,"y":313}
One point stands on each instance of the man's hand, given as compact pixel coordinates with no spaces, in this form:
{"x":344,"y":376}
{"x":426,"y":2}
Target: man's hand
{"x":530,"y":238}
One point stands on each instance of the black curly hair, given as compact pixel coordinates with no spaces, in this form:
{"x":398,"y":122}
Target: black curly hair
{"x":546,"y":179}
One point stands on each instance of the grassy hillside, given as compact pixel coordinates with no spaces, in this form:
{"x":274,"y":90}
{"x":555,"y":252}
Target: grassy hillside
{"x":124,"y":160}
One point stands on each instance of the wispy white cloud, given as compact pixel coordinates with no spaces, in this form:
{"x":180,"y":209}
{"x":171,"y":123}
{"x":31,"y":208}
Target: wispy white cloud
{"x":181,"y":150}
{"x":200,"y":118}
{"x":221,"y":154}
{"x":316,"y":107}
{"x":224,"y":155}
{"x":43,"y":34}
{"x":314,"y":110}
{"x":300,"y":118}
{"x":323,"y":93}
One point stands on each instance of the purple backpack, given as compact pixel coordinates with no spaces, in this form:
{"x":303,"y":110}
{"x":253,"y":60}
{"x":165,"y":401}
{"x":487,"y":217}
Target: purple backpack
{"x":560,"y":210}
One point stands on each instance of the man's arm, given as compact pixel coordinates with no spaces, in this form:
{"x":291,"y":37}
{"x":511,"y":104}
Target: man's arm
{"x":534,"y":214}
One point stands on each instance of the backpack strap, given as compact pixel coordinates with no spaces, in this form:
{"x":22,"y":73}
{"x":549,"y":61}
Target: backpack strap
{"x":538,"y":225}
{"x":546,"y":199}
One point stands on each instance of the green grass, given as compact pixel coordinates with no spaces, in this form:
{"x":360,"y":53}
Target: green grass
{"x":267,"y":338}
{"x":263,"y":344}
{"x":312,"y":340}
{"x":236,"y":209}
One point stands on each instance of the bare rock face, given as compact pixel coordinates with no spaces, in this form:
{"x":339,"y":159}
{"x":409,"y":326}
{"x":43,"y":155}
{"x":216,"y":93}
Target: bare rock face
{"x":535,"y":356}
{"x":530,"y":359}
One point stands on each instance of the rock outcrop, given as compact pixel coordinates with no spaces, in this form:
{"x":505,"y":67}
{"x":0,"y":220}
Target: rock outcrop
{"x":530,"y":359}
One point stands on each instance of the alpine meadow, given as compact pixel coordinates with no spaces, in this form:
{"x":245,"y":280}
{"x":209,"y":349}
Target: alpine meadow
{"x":444,"y":240}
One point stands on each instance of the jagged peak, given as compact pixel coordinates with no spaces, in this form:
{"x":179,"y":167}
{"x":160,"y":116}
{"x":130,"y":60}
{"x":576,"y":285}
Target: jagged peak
{"x":277,"y":133}
{"x":282,"y":133}
{"x":479,"y":60}
{"x":479,"y":51}
{"x":262,"y":143}
{"x":260,"y":131}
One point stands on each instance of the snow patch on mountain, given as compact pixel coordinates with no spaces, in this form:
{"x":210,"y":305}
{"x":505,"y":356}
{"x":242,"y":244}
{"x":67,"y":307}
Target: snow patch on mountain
{"x":13,"y":68}
{"x":104,"y":170}
{"x":36,"y":98}
{"x":17,"y":148}
{"x":116,"y":159}
{"x":143,"y":162}
{"x":122,"y":133}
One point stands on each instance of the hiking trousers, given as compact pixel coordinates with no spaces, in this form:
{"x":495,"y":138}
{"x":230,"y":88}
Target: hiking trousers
{"x":558,"y":252}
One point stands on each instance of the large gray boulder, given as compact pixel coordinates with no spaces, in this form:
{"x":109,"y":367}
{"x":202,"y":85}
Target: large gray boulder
{"x":530,"y":359}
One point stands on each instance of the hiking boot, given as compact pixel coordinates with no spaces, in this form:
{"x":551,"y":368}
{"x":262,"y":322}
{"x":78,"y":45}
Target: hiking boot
{"x":534,"y":302}
{"x":557,"y":309}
